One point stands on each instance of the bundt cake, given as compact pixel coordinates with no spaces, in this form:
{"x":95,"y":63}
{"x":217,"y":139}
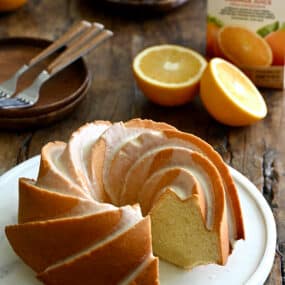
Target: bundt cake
{"x":116,"y":193}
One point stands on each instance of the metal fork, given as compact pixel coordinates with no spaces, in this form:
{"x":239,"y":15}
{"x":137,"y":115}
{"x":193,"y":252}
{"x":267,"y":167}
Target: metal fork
{"x":85,"y":44}
{"x":8,"y":87}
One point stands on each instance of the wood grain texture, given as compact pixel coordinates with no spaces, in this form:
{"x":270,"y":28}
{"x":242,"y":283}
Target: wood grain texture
{"x":257,"y":151}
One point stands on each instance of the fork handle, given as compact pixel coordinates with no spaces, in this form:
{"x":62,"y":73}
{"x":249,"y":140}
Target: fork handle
{"x":94,"y":42}
{"x":91,"y":32}
{"x":68,"y":36}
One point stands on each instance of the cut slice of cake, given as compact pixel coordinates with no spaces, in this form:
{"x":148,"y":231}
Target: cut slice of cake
{"x":182,"y":237}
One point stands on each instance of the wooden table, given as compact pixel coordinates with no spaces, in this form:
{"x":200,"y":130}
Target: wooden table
{"x":256,"y":151}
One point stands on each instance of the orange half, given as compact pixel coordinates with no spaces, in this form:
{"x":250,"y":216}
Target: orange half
{"x":169,"y":75}
{"x":230,"y":96}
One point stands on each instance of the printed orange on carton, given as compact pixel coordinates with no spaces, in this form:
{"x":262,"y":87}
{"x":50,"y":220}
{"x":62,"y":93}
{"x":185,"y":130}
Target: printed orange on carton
{"x":250,"y":34}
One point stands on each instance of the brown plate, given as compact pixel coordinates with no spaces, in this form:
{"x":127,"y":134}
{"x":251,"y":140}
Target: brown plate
{"x":155,"y":5}
{"x":44,"y":119}
{"x":56,"y":92}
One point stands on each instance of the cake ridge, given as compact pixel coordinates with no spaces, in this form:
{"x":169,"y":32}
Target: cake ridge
{"x":130,"y":279}
{"x":109,"y":143}
{"x":78,"y":159}
{"x":52,"y":205}
{"x":97,"y":255}
{"x":49,"y":173}
{"x":163,"y":179}
{"x":154,"y":162}
{"x":52,"y":237}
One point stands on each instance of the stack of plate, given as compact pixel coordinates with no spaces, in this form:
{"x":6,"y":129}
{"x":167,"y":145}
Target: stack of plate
{"x":58,"y":96}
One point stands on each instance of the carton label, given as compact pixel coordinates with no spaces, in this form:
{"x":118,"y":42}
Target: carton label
{"x":251,"y":34}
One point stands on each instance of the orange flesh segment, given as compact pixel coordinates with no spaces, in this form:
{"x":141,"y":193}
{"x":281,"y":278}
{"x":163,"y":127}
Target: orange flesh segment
{"x":170,"y":66}
{"x":241,"y":91}
{"x":237,"y":86}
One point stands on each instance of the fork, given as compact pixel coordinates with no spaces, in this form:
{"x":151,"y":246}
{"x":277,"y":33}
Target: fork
{"x":86,"y":43}
{"x":8,"y":87}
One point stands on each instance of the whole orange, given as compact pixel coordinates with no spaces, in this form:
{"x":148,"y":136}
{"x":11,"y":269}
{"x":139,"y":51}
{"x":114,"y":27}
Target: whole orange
{"x":212,"y":46}
{"x":244,"y":47}
{"x":10,"y":5}
{"x":276,"y":41}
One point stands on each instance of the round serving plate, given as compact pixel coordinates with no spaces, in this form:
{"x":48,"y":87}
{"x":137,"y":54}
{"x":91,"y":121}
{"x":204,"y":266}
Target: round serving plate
{"x":56,"y":93}
{"x":250,"y":262}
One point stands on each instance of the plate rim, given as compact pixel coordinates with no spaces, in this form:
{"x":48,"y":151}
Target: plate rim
{"x":260,"y":275}
{"x":43,"y":119}
{"x":265,"y":266}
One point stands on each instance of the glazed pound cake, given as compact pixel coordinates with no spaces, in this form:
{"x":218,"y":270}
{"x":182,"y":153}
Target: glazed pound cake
{"x":104,"y":202}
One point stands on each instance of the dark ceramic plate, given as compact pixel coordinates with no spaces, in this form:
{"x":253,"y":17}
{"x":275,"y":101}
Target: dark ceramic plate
{"x":56,"y":93}
{"x":155,"y":5}
{"x":43,"y":119}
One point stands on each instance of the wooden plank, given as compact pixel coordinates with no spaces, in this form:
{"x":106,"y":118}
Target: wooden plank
{"x":256,"y":151}
{"x":12,"y":149}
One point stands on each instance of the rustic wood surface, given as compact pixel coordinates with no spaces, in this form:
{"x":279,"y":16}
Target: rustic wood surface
{"x":256,"y":151}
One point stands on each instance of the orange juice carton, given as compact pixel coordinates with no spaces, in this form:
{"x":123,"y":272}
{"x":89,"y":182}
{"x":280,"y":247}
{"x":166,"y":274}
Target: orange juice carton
{"x":250,"y":34}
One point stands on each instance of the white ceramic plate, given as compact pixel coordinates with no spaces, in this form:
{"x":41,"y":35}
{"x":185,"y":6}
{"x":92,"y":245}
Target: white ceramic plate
{"x":250,"y":262}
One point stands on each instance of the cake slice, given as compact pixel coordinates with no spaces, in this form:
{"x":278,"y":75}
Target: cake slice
{"x":182,"y":237}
